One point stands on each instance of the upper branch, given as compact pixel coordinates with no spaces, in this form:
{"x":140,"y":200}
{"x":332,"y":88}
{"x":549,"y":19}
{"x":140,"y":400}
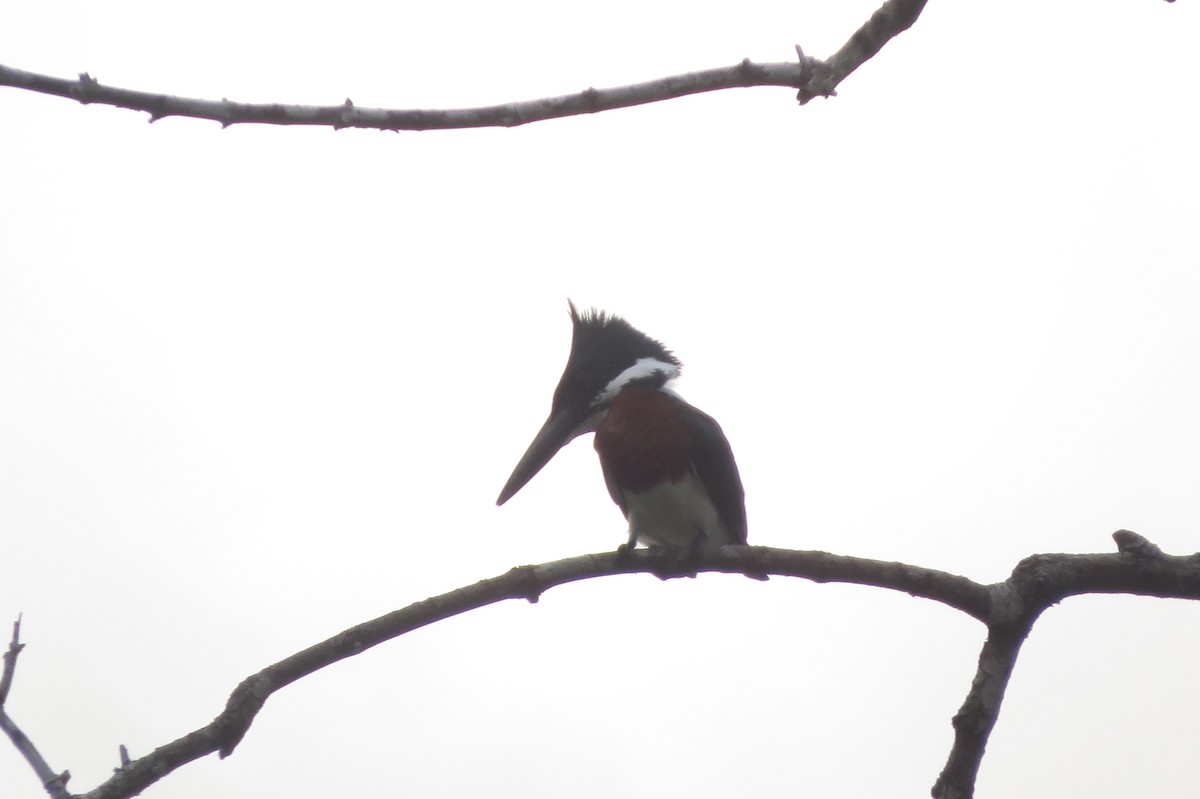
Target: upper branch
{"x":87,"y":89}
{"x":809,"y":76}
{"x":893,"y":18}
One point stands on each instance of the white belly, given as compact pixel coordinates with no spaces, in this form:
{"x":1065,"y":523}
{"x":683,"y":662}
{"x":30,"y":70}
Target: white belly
{"x":674,"y":514}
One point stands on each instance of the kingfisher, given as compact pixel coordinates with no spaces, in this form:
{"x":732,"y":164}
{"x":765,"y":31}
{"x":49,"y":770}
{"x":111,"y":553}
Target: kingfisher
{"x":667,"y":464}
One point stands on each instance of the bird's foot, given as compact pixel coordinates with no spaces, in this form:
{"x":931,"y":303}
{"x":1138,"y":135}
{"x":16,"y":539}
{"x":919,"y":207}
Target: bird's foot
{"x":674,"y":562}
{"x":625,"y":554}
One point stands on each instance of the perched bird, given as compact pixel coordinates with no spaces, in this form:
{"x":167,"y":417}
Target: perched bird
{"x":668,"y":466}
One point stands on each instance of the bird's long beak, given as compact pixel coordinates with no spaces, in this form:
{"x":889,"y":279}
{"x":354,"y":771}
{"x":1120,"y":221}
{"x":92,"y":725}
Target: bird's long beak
{"x":560,"y":428}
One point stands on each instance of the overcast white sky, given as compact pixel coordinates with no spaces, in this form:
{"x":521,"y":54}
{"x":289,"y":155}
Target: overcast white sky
{"x":260,"y":384}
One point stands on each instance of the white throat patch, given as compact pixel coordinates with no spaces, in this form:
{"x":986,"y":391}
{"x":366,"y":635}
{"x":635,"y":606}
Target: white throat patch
{"x":645,"y":367}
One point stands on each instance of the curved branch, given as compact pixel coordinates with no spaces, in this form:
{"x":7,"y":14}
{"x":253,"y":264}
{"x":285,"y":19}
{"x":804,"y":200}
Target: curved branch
{"x":1009,"y":609}
{"x":87,"y":89}
{"x":225,"y":732}
{"x":811,"y":77}
{"x":893,"y":18}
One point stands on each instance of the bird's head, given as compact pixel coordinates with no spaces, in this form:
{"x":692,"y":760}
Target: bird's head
{"x":607,"y":355}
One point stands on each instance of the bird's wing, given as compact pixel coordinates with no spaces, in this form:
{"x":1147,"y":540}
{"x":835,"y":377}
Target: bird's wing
{"x":717,"y":470}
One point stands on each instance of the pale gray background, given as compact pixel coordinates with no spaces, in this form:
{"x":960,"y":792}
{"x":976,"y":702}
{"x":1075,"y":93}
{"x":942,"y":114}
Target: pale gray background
{"x":257,"y":385}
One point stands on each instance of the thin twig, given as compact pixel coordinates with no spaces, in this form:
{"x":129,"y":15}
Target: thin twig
{"x":55,"y":784}
{"x":10,"y":660}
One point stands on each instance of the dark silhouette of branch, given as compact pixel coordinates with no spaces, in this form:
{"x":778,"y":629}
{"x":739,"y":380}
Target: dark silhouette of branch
{"x":56,"y":784}
{"x":809,"y":76}
{"x":1009,"y":609}
{"x":893,"y":18}
{"x":524,"y":582}
{"x":347,"y":115}
{"x":10,"y":661}
{"x":1038,"y":582}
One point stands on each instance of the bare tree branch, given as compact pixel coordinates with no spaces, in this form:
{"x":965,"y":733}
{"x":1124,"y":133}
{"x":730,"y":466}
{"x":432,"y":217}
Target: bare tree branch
{"x":88,"y":90}
{"x":10,"y":661}
{"x":893,"y":18}
{"x":55,"y":784}
{"x":524,"y":582}
{"x":1038,"y":582}
{"x":1009,"y":609}
{"x":811,"y":77}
